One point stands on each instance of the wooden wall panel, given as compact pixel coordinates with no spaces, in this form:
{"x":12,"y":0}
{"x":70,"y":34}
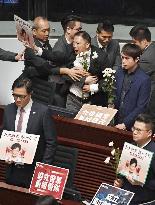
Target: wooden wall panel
{"x":2,"y":171}
{"x":91,"y":171}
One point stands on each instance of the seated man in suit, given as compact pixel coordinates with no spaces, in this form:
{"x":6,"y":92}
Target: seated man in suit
{"x":93,"y":61}
{"x":27,"y":116}
{"x":104,"y":41}
{"x":142,"y":132}
{"x":133,"y":87}
{"x":10,"y":56}
{"x":141,"y":36}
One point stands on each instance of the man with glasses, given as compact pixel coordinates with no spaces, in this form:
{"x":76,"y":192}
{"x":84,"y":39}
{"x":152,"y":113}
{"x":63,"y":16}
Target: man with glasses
{"x":64,"y":55}
{"x":27,"y":116}
{"x":143,"y":129}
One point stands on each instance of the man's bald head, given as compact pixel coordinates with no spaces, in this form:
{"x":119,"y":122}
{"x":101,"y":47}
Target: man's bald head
{"x":41,"y":28}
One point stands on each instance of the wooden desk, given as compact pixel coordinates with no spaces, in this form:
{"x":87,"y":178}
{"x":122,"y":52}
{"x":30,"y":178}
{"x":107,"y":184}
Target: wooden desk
{"x":92,"y":142}
{"x":12,"y":195}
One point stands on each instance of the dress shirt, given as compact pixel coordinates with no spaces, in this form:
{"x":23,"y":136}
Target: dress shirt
{"x":102,"y":47}
{"x":27,"y":110}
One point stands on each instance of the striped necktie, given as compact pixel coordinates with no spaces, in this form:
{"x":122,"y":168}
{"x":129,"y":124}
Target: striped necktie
{"x":20,"y":121}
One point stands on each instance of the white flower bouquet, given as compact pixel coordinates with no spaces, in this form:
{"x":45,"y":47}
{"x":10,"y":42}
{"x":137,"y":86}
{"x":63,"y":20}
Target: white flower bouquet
{"x":107,"y":84}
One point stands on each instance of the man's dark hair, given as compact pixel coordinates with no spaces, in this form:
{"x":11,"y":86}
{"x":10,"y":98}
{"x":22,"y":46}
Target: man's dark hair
{"x":106,"y":25}
{"x":16,"y":145}
{"x":133,"y":161}
{"x":140,"y":32}
{"x":23,"y":82}
{"x":69,"y":21}
{"x":47,"y":200}
{"x":147,"y":119}
{"x":131,"y":50}
{"x":84,"y":35}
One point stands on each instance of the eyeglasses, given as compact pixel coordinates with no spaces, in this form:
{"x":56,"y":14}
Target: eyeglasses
{"x":138,"y":130}
{"x":77,"y":29}
{"x":21,"y":97}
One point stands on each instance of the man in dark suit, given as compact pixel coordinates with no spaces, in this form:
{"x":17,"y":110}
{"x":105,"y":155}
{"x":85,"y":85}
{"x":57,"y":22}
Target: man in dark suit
{"x":64,"y":52}
{"x":133,"y":87}
{"x":36,"y":119}
{"x":143,"y":130}
{"x":93,"y":61}
{"x":104,"y":41}
{"x":9,"y":56}
{"x":35,"y":64}
{"x":141,"y":36}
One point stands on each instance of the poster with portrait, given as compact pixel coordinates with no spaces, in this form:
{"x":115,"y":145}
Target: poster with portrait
{"x":96,"y":114}
{"x":110,"y":195}
{"x":49,"y":180}
{"x":134,"y":163}
{"x":18,"y":147}
{"x":24,"y":31}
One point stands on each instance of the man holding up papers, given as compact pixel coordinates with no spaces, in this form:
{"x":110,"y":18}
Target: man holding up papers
{"x":30,"y":117}
{"x":142,"y":133}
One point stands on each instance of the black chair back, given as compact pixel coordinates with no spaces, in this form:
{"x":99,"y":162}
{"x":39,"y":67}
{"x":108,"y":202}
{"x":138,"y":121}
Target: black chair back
{"x":66,"y":157}
{"x":43,"y":91}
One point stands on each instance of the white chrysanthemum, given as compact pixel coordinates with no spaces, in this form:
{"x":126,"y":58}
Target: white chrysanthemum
{"x":95,"y":55}
{"x":107,"y":160}
{"x":81,"y":54}
{"x":111,"y":144}
{"x":113,"y":152}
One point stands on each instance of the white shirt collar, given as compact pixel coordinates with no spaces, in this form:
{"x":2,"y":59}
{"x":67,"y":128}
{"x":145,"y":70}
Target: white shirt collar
{"x":145,"y":144}
{"x":68,"y":42}
{"x":27,"y":107}
{"x":99,"y":44}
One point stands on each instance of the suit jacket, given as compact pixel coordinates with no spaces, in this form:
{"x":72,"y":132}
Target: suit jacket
{"x":39,"y":123}
{"x":145,"y":193}
{"x":96,"y":67}
{"x":64,"y":53}
{"x":113,"y":51}
{"x":7,"y":55}
{"x":38,"y":65}
{"x":147,"y":61}
{"x":136,"y":97}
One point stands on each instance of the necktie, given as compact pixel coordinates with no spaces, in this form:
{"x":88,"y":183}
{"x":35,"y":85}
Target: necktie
{"x":20,"y":121}
{"x":104,"y":49}
{"x":45,"y":46}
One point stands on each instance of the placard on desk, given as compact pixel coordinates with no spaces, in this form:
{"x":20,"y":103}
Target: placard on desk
{"x":18,"y":147}
{"x":96,"y":114}
{"x":134,"y":163}
{"x":49,"y":180}
{"x":110,"y":195}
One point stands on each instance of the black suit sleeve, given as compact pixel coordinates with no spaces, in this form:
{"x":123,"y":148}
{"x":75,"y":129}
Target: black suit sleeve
{"x":7,"y":55}
{"x":42,"y":65}
{"x":50,"y":138}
